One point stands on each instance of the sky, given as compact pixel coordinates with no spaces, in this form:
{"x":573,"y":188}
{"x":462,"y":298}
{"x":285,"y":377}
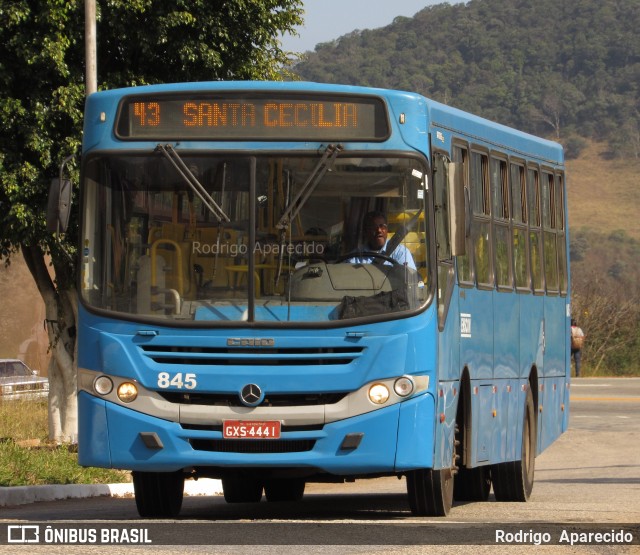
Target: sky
{"x":326,"y":20}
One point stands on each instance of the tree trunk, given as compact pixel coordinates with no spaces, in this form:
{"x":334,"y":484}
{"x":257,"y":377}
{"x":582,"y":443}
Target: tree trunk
{"x":60,"y":300}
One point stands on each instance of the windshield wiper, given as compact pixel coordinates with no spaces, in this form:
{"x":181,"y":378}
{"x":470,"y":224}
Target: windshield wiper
{"x":293,"y":208}
{"x":191,"y":180}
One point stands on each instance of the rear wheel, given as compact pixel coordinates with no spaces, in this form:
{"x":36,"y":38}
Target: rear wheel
{"x":513,"y":481}
{"x":242,"y":490}
{"x":158,"y":494}
{"x":284,"y":489}
{"x":430,"y":491}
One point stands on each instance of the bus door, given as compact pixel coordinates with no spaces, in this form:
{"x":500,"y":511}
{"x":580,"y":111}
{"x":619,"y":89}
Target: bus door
{"x":473,"y":266}
{"x":447,"y":300}
{"x":476,"y":297}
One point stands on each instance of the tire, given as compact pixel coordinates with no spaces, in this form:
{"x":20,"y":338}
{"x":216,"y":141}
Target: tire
{"x":242,"y":490}
{"x":158,"y":494}
{"x":430,"y":491}
{"x":513,"y":481}
{"x":284,"y":489}
{"x":472,"y":484}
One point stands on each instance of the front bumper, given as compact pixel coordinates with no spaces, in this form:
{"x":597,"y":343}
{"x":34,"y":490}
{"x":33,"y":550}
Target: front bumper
{"x":394,"y":439}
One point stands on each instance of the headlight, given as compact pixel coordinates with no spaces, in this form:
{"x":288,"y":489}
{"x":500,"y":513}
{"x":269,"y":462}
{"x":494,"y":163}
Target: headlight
{"x":127,"y":392}
{"x":7,"y":389}
{"x":103,"y":385}
{"x":378,"y":394}
{"x":403,"y":387}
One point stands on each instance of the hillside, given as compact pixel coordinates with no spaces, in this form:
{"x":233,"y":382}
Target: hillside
{"x":559,"y":68}
{"x":603,"y":195}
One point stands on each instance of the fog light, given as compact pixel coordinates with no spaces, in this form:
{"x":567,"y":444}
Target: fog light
{"x":403,"y":387}
{"x":378,"y":394}
{"x":127,"y":392}
{"x":103,"y":385}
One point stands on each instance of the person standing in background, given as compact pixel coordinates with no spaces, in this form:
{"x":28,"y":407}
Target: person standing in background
{"x":577,"y":341}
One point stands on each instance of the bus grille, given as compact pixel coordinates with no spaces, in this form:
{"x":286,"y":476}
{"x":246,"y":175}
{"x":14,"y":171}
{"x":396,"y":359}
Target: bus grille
{"x":252,"y":445}
{"x":271,"y":400}
{"x":228,"y":356}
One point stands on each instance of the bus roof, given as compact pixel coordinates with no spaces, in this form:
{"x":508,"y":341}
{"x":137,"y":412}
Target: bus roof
{"x":441,"y":117}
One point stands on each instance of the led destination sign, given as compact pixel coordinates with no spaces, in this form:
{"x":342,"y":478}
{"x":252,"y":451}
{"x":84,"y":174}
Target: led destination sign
{"x":234,"y":117}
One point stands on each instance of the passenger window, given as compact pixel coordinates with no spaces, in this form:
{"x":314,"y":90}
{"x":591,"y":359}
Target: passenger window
{"x":559,"y":204}
{"x":499,"y":189}
{"x":550,"y":261}
{"x":533,"y":197}
{"x":481,"y":225}
{"x":535,"y":234}
{"x":520,"y":258}
{"x":461,"y":159}
{"x":501,"y":211}
{"x":517,"y":194}
{"x":562,"y":248}
{"x":482,"y":252}
{"x":535,"y":248}
{"x":503,"y":258}
{"x":548,"y":202}
{"x":519,"y":218}
{"x":480,"y":184}
{"x":549,"y":235}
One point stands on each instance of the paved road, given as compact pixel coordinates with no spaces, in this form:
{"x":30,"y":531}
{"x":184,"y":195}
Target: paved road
{"x":588,"y":478}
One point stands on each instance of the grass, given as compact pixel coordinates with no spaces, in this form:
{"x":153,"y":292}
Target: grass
{"x":28,"y":458}
{"x":603,"y":194}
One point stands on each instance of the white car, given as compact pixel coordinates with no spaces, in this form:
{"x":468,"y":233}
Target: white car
{"x":18,"y":381}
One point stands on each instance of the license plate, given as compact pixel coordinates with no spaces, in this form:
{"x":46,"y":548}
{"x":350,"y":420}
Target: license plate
{"x":251,"y":429}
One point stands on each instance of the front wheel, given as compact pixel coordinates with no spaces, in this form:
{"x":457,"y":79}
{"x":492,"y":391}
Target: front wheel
{"x":430,"y":491}
{"x":158,"y":494}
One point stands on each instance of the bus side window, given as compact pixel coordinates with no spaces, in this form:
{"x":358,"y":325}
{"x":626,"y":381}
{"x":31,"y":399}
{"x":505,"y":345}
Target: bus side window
{"x":549,"y":231}
{"x":501,"y":214}
{"x":461,"y":161}
{"x":481,"y":224}
{"x":519,"y":221}
{"x":562,"y":247}
{"x":535,"y":242}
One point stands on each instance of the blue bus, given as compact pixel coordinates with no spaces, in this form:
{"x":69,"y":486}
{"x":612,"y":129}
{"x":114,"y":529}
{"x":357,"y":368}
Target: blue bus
{"x":285,"y":283}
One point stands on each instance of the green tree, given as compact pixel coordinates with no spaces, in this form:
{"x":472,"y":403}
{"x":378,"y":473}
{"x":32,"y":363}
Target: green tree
{"x":41,"y":101}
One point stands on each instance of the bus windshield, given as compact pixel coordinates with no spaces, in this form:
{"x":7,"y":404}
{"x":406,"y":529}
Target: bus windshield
{"x":214,"y":237}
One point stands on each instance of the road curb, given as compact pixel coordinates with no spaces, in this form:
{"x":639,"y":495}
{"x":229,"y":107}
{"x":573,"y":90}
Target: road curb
{"x":23,"y":495}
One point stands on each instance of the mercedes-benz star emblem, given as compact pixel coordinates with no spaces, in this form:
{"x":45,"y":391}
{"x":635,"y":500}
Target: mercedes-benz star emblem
{"x":251,"y":395}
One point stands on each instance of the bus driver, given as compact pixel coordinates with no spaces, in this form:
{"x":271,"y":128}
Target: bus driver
{"x":374,"y":233}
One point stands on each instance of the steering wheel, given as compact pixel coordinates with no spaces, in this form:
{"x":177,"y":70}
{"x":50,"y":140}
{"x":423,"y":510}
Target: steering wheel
{"x":381,"y":258}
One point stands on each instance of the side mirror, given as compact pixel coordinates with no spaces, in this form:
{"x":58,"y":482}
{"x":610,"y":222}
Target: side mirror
{"x":59,"y":204}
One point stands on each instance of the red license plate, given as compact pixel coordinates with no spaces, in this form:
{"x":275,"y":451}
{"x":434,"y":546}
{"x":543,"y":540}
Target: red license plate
{"x":251,"y":429}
